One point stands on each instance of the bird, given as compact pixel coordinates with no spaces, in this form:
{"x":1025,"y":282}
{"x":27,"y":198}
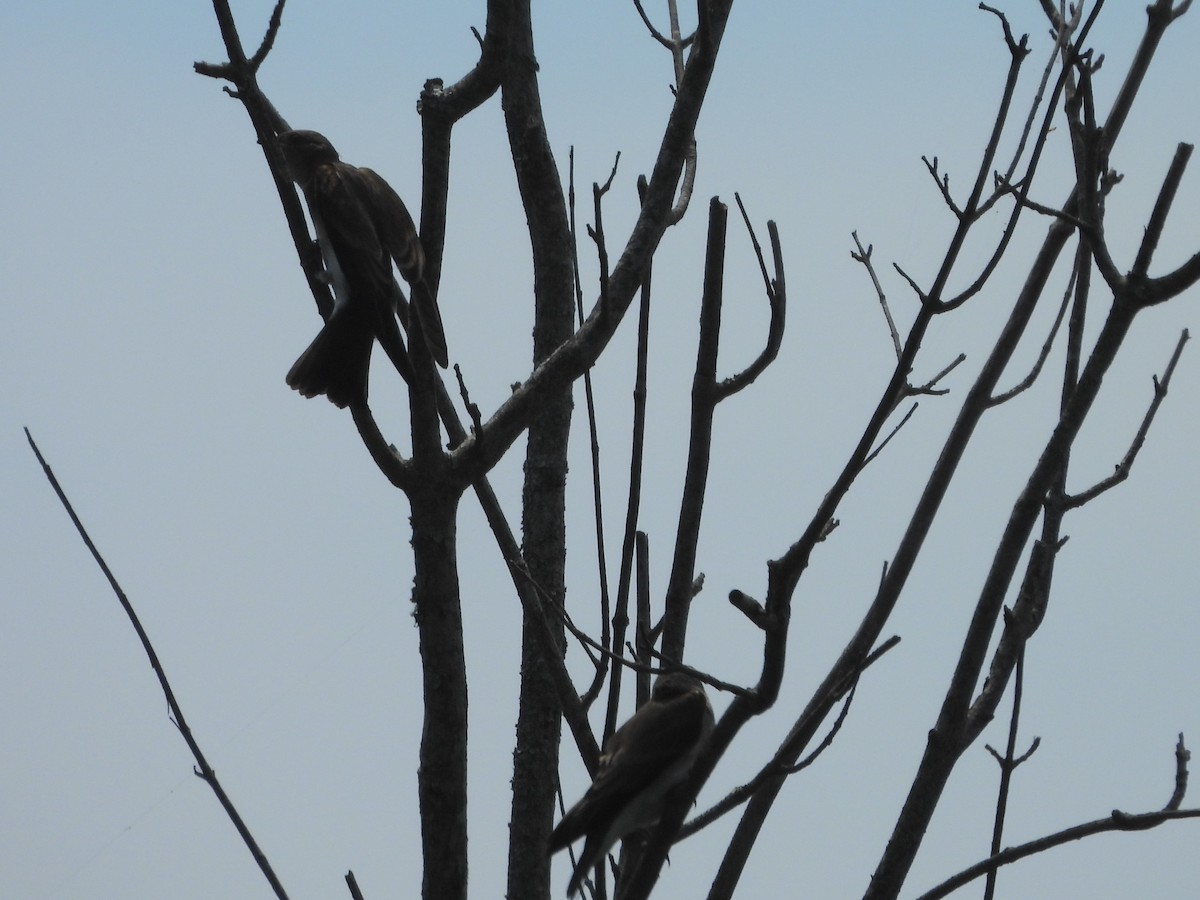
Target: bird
{"x":640,"y":763}
{"x":362,"y":226}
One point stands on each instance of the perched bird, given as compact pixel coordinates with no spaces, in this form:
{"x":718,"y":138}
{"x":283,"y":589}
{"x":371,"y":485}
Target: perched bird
{"x":646,"y":757}
{"x":362,"y":227}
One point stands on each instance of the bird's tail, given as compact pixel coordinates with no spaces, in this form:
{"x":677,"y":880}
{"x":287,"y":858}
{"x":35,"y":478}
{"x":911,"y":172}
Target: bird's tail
{"x":592,"y":856}
{"x":426,"y":310}
{"x":337,"y":362}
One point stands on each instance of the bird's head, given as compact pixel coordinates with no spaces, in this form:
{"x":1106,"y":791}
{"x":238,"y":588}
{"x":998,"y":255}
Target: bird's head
{"x":304,"y":151}
{"x":675,"y":684}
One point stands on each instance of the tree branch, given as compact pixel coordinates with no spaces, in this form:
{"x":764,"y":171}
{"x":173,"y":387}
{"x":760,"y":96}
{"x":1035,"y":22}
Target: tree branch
{"x":202,"y":770}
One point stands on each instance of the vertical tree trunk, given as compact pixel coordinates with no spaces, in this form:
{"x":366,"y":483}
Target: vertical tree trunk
{"x":442,"y":776}
{"x":543,"y":519}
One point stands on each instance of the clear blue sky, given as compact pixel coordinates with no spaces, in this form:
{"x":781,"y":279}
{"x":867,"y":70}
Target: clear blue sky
{"x":154,"y":303}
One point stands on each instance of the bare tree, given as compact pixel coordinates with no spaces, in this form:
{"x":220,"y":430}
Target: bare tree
{"x":630,"y":630}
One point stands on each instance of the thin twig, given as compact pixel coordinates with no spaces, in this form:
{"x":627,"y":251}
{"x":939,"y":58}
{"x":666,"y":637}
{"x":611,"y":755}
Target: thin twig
{"x":655,"y":33}
{"x":590,"y":400}
{"x":864,"y":257}
{"x":1062,"y":35}
{"x":1029,"y":379}
{"x":891,"y":434}
{"x":1123,"y":468}
{"x":1008,"y":765}
{"x":632,"y":536}
{"x":202,"y":769}
{"x":776,"y":289}
{"x":942,"y":180}
{"x":930,"y":388}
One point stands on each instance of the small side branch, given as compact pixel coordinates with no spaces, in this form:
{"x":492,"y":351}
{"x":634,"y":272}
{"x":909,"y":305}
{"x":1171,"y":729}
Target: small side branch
{"x":864,"y":257}
{"x":658,"y":35}
{"x":891,"y":434}
{"x":1009,"y":762}
{"x":777,"y":297}
{"x":1028,"y":381}
{"x":1162,"y":206}
{"x":1123,"y":468}
{"x":597,"y":235}
{"x":942,"y":180}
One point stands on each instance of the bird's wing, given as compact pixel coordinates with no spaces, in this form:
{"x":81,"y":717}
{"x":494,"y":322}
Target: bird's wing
{"x":653,"y":738}
{"x":335,"y":197}
{"x":402,"y":243}
{"x":394,"y":225}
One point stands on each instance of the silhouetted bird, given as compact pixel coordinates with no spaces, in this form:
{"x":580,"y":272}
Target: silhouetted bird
{"x":362,"y":227}
{"x":646,"y":757}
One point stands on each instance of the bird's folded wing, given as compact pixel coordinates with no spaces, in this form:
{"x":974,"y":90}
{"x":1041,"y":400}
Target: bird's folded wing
{"x":336,"y":194}
{"x":392,"y":222}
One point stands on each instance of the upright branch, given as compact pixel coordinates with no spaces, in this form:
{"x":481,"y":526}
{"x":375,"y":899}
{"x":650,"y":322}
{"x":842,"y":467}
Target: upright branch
{"x":544,"y":491}
{"x":707,"y":392}
{"x":704,"y":403}
{"x":633,"y":539}
{"x":567,"y":362}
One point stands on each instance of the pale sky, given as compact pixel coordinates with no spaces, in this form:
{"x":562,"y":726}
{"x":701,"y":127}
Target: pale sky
{"x":155,"y":303}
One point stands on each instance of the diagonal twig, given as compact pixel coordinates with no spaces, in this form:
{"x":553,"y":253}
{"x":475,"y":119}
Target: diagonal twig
{"x":202,"y":769}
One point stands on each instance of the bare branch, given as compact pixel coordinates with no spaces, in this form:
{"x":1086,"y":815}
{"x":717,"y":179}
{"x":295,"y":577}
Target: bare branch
{"x":394,"y":467}
{"x":864,"y":257}
{"x":202,"y":770}
{"x":777,"y":298}
{"x":1162,"y":207}
{"x":268,"y":40}
{"x":1125,"y":466}
{"x":472,"y":408}
{"x":1026,"y":183}
{"x":596,"y":233}
{"x":267,"y":122}
{"x":921,"y":295}
{"x":891,"y":434}
{"x":1016,"y":192}
{"x":1182,"y":757}
{"x":704,"y":400}
{"x":597,"y":236}
{"x":1016,"y":48}
{"x":658,"y":35}
{"x":750,"y":608}
{"x":632,"y":537}
{"x":943,"y":184}
{"x":1061,"y":38}
{"x":929,"y":387}
{"x":1008,"y":765}
{"x":575,"y":355}
{"x":1028,"y":380}
{"x":1117,"y":821}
